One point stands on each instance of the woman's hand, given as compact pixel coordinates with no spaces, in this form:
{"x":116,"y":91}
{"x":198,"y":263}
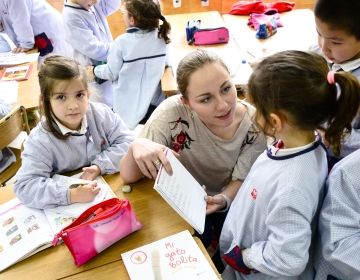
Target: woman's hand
{"x":84,"y":193}
{"x":90,"y":173}
{"x":90,"y":73}
{"x":19,"y":50}
{"x":149,"y":155}
{"x":215,"y":203}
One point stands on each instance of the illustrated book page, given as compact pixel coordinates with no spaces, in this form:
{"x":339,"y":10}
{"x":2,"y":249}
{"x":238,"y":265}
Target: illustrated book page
{"x":25,"y":231}
{"x":16,"y":73}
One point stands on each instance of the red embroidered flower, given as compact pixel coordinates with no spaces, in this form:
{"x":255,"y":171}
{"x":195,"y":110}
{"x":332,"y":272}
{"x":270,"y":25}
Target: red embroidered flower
{"x":181,"y":138}
{"x":254,"y":193}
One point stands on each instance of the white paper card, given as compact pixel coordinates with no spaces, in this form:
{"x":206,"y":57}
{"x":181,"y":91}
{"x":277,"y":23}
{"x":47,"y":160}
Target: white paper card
{"x":176,"y":257}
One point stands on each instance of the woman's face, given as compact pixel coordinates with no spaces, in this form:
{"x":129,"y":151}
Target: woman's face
{"x":212,"y":96}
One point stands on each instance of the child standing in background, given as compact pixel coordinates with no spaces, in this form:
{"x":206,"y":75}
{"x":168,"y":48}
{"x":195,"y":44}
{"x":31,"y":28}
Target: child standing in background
{"x":338,"y":253}
{"x":88,"y":32}
{"x":33,"y":23}
{"x":72,"y":133}
{"x":268,"y":231}
{"x":338,"y":27}
{"x":137,"y":61}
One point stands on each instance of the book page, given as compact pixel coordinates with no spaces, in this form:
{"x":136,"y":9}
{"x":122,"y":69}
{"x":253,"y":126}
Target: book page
{"x":10,"y":58}
{"x":176,"y":257}
{"x":23,"y":232}
{"x":61,"y":216}
{"x":17,"y":73}
{"x":183,"y":193}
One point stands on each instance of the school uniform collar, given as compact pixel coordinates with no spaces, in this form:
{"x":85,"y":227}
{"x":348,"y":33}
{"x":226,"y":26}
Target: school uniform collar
{"x":275,"y":150}
{"x":135,"y":29}
{"x":74,"y":6}
{"x":66,"y":131}
{"x":348,"y":66}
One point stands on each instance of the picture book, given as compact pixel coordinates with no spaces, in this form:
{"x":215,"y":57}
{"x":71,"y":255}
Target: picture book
{"x":16,"y":73}
{"x":175,"y":257}
{"x":182,"y":192}
{"x":25,"y":231}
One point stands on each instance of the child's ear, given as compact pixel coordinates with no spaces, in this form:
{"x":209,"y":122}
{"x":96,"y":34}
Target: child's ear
{"x":132,"y":21}
{"x":277,"y":122}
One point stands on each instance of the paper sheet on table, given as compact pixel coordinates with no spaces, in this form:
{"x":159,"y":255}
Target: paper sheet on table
{"x":9,"y":91}
{"x":175,"y":257}
{"x":10,"y":58}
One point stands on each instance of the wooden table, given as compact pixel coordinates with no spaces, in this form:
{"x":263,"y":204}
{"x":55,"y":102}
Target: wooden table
{"x":179,"y":47}
{"x":29,"y":90}
{"x":298,"y":33}
{"x":158,"y":218}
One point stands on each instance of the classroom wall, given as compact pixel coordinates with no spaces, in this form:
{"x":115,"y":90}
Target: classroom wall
{"x":117,"y":25}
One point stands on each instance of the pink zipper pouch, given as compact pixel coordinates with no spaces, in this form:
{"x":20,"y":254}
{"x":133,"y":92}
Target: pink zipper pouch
{"x":210,"y":36}
{"x":97,"y":228}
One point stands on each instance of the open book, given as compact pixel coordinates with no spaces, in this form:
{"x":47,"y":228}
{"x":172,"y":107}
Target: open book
{"x":174,"y":257}
{"x":16,"y":73}
{"x":182,"y":192}
{"x":25,"y":231}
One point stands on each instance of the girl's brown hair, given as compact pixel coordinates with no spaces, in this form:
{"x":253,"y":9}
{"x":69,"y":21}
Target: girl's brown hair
{"x":192,"y":62}
{"x":56,"y":69}
{"x":294,"y":84}
{"x":147,"y":14}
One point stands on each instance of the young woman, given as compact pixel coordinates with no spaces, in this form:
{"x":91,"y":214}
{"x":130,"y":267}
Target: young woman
{"x":210,"y":129}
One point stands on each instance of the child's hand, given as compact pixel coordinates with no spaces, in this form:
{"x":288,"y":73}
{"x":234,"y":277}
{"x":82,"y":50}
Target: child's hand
{"x":90,"y":173}
{"x":19,"y":50}
{"x":90,"y":73}
{"x":214,"y":203}
{"x":84,"y":193}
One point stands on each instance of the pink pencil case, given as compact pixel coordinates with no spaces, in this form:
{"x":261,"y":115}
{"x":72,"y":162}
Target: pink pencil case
{"x":210,"y":36}
{"x":97,"y":228}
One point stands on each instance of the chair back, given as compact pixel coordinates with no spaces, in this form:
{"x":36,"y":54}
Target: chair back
{"x":10,"y":127}
{"x":12,"y":124}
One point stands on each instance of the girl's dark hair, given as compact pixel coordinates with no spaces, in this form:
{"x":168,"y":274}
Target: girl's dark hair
{"x":55,"y":69}
{"x":147,"y":14}
{"x":340,"y":14}
{"x":192,"y":62}
{"x":294,"y":85}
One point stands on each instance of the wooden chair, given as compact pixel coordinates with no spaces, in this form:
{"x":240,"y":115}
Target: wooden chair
{"x":10,"y":127}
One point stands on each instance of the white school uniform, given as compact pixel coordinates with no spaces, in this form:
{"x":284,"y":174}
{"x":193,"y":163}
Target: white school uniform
{"x":88,"y":32}
{"x":273,"y":215}
{"x":339,"y":228}
{"x":136,"y":64}
{"x":24,"y":19}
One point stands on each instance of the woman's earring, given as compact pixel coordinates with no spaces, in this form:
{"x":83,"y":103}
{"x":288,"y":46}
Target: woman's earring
{"x":273,"y":130}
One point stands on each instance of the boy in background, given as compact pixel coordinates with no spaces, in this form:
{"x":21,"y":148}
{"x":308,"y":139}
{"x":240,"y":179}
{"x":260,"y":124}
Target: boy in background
{"x":338,"y":30}
{"x":88,"y":32}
